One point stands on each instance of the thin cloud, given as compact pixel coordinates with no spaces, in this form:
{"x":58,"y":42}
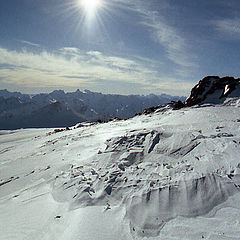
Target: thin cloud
{"x":94,"y":53}
{"x":78,"y":69}
{"x":30,"y":43}
{"x":51,"y":69}
{"x":69,"y":50}
{"x":228,"y":27}
{"x":171,"y":86}
{"x":166,"y":35}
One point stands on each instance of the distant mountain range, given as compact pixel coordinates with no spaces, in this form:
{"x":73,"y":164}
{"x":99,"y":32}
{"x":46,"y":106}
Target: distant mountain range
{"x":59,"y":109}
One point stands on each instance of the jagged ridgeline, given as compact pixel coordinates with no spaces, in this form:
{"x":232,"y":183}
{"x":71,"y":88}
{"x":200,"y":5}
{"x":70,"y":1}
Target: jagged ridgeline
{"x":60,"y":109}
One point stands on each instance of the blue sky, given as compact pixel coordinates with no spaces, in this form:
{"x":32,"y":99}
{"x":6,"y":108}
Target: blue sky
{"x":125,"y":47}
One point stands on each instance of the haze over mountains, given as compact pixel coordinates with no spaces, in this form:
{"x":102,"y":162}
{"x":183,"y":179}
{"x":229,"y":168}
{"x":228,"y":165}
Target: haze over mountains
{"x":60,"y":109}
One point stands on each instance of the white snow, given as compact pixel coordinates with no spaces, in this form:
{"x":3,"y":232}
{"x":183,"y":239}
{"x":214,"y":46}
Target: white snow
{"x":226,"y":90}
{"x":167,"y":175}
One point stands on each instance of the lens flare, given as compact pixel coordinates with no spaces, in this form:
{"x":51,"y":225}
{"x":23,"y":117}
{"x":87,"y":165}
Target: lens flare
{"x":90,"y":6}
{"x":89,"y":16}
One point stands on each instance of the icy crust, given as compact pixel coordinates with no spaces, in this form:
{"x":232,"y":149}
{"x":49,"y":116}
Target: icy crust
{"x":157,"y":175}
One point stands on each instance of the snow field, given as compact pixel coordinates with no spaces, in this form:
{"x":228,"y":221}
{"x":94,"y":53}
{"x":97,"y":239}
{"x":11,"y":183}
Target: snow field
{"x":166,"y":175}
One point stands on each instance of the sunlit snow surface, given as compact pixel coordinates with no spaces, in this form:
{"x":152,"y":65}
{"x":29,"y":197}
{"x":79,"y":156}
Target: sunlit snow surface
{"x":167,"y":175}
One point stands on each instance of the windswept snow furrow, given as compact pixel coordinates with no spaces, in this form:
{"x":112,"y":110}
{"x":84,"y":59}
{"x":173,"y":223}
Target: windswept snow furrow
{"x":3,"y":182}
{"x":183,"y":151}
{"x":6,"y":149}
{"x":155,"y":141}
{"x":148,"y":213}
{"x":147,"y":140}
{"x":150,"y":198}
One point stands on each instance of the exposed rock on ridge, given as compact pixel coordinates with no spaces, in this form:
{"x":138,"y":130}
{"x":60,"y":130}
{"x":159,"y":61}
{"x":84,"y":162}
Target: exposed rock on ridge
{"x":213,"y":89}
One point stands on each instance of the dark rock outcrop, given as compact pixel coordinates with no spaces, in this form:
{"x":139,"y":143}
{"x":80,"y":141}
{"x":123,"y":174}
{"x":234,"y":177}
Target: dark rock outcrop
{"x":175,"y":105}
{"x":213,"y":89}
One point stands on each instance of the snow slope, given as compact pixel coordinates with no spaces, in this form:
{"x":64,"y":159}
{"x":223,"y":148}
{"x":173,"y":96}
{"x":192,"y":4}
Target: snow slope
{"x":172,"y":174}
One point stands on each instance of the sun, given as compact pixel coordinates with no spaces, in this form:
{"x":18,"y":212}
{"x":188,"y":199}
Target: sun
{"x":90,"y":14}
{"x":90,"y":6}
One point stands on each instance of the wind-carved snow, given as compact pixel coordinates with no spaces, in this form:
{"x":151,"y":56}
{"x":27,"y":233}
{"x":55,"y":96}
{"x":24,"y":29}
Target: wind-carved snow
{"x":156,"y":174}
{"x":157,"y":170}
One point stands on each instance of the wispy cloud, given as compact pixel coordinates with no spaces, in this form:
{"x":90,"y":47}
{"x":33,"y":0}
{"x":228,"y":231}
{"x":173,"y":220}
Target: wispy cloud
{"x":69,"y":50}
{"x":71,"y":67}
{"x":29,"y":43}
{"x":64,"y":69}
{"x":162,"y":32}
{"x":171,"y":86}
{"x":230,"y":27}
